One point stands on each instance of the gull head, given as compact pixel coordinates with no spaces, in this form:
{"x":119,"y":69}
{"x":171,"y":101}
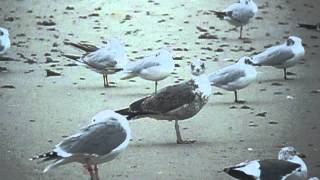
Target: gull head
{"x":107,"y":116}
{"x":288,"y":153}
{"x":164,"y":53}
{"x":197,"y":67}
{"x":292,"y":40}
{"x":4,"y":32}
{"x":318,"y":27}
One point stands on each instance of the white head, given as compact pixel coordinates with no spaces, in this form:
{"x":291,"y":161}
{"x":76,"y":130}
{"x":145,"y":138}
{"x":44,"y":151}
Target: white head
{"x":245,"y":60}
{"x":107,"y":115}
{"x":293,"y":40}
{"x":288,"y":153}
{"x":164,"y":53}
{"x":197,"y":67}
{"x":245,"y":1}
{"x":313,"y":178}
{"x":318,"y":27}
{"x":4,"y":32}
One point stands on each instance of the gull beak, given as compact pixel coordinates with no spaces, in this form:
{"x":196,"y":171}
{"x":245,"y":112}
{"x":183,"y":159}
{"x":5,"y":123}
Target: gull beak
{"x":301,"y":155}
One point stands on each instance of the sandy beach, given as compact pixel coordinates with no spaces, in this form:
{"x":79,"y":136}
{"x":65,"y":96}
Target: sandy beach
{"x":37,"y":111}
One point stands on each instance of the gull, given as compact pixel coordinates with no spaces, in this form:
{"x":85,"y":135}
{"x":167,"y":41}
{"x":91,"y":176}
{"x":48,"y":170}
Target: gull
{"x":310,"y":26}
{"x":175,"y":102}
{"x":155,"y":67}
{"x":281,"y":56}
{"x":239,"y":14}
{"x":102,"y":140}
{"x":234,"y":77}
{"x":288,"y":165}
{"x":4,"y":40}
{"x":106,"y":60}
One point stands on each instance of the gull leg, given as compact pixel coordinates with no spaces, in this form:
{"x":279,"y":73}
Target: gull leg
{"x":104,"y":80}
{"x":96,"y":172}
{"x":235,"y":96}
{"x":155,"y":86}
{"x":107,"y":80}
{"x":90,"y":170}
{"x":179,"y":138}
{"x":285,"y":73}
{"x":241,"y":28}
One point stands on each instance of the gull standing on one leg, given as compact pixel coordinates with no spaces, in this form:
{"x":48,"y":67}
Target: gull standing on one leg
{"x":234,"y":77}
{"x":281,"y":56}
{"x":176,"y":102}
{"x":4,"y":40}
{"x":106,"y":60}
{"x":239,"y":14}
{"x":155,"y":67}
{"x":101,"y":141}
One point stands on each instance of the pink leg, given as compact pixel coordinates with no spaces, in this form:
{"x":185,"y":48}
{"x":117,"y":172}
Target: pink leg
{"x":96,"y":172}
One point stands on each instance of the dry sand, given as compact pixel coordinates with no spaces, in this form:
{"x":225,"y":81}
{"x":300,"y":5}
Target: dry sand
{"x":40,"y":110}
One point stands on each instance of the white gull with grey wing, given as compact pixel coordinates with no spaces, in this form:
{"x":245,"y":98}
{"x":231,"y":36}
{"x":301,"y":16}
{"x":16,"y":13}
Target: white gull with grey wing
{"x":234,"y":77}
{"x":155,"y":67}
{"x":281,"y":56}
{"x":99,"y":142}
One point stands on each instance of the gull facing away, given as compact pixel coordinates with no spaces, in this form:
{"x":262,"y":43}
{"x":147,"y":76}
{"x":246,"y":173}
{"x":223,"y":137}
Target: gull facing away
{"x":99,"y":142}
{"x":282,"y":56}
{"x":4,"y":40}
{"x":155,"y":67}
{"x":288,"y":166}
{"x":176,"y":102}
{"x":106,"y":60}
{"x":239,"y":14}
{"x":234,"y":77}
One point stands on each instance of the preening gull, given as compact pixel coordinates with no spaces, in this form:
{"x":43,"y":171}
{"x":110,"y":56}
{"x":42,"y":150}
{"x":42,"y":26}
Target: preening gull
{"x":282,"y":56}
{"x":239,"y":14}
{"x":288,"y":165}
{"x":99,"y":142}
{"x":4,"y":40}
{"x":234,"y":77}
{"x":106,"y":60}
{"x":155,"y":67}
{"x":176,"y":102}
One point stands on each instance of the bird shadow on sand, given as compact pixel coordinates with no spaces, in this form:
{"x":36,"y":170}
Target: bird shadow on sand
{"x":198,"y":144}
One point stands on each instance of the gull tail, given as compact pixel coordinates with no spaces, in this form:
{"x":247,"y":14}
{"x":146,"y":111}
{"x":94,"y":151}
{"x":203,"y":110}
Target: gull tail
{"x":220,"y":15}
{"x":128,"y":76}
{"x":307,"y":26}
{"x":126,"y":112}
{"x":46,"y":156}
{"x":83,"y":46}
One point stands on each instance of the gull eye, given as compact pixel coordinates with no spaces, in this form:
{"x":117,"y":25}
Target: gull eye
{"x":290,"y":42}
{"x":157,"y":54}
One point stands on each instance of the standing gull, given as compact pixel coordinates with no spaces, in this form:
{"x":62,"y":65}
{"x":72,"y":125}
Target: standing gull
{"x":99,"y":142}
{"x":234,"y":77}
{"x":239,"y":14}
{"x":176,"y":102}
{"x":4,"y":40}
{"x":288,"y":165}
{"x":106,"y":60}
{"x":155,"y":67}
{"x":282,"y":56}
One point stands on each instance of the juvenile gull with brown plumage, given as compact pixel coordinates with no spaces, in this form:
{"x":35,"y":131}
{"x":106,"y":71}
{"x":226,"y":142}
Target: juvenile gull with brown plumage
{"x":176,"y":102}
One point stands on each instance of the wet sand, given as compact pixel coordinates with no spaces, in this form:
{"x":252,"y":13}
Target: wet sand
{"x":39,"y":111}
